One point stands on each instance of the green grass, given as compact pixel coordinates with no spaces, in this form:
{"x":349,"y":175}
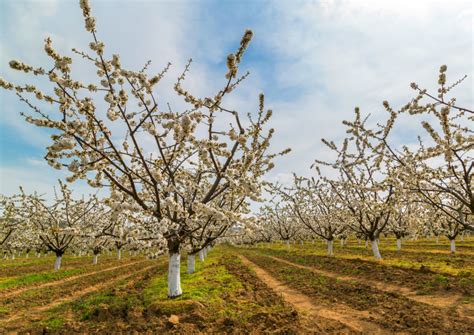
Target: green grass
{"x":90,"y":306}
{"x":413,"y":254}
{"x":36,"y":278}
{"x":53,"y":321}
{"x":207,"y":286}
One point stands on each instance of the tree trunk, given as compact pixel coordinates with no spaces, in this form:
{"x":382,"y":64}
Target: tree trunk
{"x":399,"y":244}
{"x":342,"y":242}
{"x":191,"y":263}
{"x":174,"y":278}
{"x":330,"y":248}
{"x":94,"y":259}
{"x":287,"y":243}
{"x":375,"y":250}
{"x":366,"y":243}
{"x":119,"y":254}
{"x":453,"y":246}
{"x":57,"y":263}
{"x":437,"y":239}
{"x":201,"y":255}
{"x":174,"y":262}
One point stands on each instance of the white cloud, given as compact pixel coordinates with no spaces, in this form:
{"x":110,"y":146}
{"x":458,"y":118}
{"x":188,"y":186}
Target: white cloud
{"x":36,"y":176}
{"x":340,"y":54}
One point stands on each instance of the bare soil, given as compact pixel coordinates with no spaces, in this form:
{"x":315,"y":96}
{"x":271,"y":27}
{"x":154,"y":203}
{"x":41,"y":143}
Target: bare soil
{"x":129,"y":314}
{"x":389,"y":310}
{"x":317,"y":319}
{"x":12,"y":292}
{"x":420,"y":280}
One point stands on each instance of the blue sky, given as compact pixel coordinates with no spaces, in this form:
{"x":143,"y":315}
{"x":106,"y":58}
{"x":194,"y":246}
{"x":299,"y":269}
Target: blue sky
{"x":314,"y":60}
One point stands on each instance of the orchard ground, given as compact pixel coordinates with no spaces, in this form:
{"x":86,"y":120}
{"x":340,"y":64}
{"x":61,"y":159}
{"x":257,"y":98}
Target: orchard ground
{"x":266,"y":288}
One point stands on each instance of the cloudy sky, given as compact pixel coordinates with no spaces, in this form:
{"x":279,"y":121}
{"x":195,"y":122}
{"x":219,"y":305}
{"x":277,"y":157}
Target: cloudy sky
{"x":314,"y":60}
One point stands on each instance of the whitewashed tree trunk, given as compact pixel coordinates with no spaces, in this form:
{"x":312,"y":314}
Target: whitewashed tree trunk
{"x":437,"y":239}
{"x":301,"y":242}
{"x":13,"y":256}
{"x":399,"y":244}
{"x":287,"y":242}
{"x":201,"y":255}
{"x":453,"y":246}
{"x":191,"y":263}
{"x":358,"y":241}
{"x":375,"y":250}
{"x":462,"y":236}
{"x":27,"y":255}
{"x":342,"y":242}
{"x":57,"y":263}
{"x":330,"y":248}
{"x":174,"y":278}
{"x":38,"y":254}
{"x":119,"y":254}
{"x":366,"y":243}
{"x":94,"y":259}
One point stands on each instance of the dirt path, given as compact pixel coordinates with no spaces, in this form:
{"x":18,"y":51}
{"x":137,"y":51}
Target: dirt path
{"x":65,"y":280}
{"x":447,"y":301}
{"x":353,"y":320}
{"x":34,"y":313}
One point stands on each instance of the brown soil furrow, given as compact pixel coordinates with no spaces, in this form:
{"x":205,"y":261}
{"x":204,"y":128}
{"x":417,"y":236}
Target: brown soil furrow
{"x":33,"y":312}
{"x":65,"y":280}
{"x":437,"y":301}
{"x":354,"y":320}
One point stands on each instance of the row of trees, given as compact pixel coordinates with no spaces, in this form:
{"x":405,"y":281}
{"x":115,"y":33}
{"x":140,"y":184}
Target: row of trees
{"x":373,"y":186}
{"x":79,"y":226}
{"x":30,"y":223}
